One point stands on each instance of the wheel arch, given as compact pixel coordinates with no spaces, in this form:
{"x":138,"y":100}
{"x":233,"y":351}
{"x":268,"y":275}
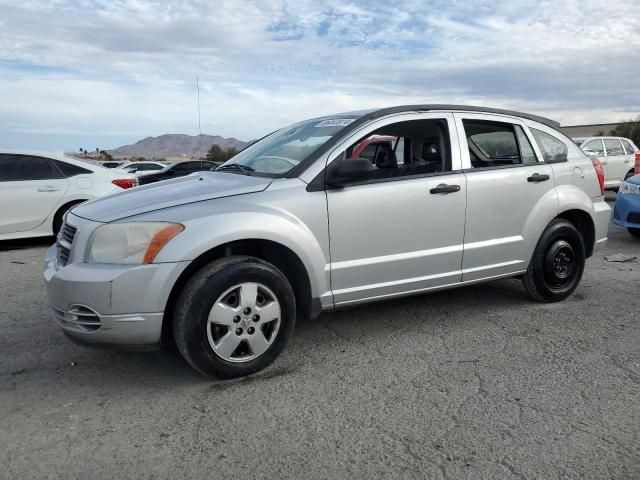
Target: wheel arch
{"x":582,"y":220}
{"x":63,"y":207}
{"x":277,"y":254}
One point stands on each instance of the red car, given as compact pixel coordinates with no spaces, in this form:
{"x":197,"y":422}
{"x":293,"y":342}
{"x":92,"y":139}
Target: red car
{"x":368,"y":148}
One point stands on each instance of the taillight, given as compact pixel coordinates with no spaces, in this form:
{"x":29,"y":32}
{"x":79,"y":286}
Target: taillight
{"x":600,"y":172}
{"x":636,"y":168}
{"x":125,"y":182}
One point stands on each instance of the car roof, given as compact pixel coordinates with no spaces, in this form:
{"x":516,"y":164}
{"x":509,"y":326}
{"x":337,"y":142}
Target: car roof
{"x":371,"y":114}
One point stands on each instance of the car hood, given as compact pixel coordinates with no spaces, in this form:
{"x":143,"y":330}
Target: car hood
{"x":635,"y":179}
{"x":170,"y":193}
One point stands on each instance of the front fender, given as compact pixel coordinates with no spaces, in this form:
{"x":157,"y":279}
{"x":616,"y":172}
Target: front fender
{"x":236,"y":222}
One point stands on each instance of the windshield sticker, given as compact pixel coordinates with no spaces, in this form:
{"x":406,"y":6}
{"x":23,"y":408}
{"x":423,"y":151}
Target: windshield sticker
{"x":335,"y":122}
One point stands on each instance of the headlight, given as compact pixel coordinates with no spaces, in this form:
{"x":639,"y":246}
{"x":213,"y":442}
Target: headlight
{"x":631,"y":188}
{"x":130,"y":243}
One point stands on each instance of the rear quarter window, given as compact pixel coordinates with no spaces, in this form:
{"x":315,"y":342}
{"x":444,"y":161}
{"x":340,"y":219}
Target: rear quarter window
{"x":70,"y":170}
{"x":553,"y":149}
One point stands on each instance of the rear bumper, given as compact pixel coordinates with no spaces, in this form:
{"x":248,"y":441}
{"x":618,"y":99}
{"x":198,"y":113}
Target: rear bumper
{"x":601,"y":219}
{"x":120,"y":305}
{"x":626,"y":212}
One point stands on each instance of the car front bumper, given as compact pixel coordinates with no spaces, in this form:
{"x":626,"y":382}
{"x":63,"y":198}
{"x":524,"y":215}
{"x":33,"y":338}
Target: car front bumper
{"x":118,"y":305}
{"x":626,"y":211}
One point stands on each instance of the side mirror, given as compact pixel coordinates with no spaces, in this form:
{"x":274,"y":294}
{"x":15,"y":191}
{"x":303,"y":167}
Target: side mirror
{"x":349,"y":171}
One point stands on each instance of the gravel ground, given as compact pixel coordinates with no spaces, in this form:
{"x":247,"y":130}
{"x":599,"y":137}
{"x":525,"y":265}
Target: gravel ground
{"x":477,"y":382}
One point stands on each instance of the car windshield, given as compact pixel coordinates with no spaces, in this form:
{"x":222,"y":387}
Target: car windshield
{"x":281,"y":151}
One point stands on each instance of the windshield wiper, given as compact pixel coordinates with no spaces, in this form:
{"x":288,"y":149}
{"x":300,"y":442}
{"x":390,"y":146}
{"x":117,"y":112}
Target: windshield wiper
{"x":236,"y":166}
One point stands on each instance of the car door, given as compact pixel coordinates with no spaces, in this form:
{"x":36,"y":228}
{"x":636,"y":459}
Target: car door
{"x":617,"y":167}
{"x":30,"y":188}
{"x":402,"y":233}
{"x":506,"y":183}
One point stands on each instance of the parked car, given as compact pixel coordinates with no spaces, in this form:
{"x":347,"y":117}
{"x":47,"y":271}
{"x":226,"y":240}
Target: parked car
{"x":176,"y":169}
{"x":617,"y":155}
{"x":111,"y":164}
{"x":37,"y":188}
{"x":626,"y":212}
{"x":225,"y":262}
{"x":140,"y":167}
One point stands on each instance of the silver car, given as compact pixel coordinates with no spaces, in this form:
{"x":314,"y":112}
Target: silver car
{"x":223,"y":263}
{"x":617,"y":154}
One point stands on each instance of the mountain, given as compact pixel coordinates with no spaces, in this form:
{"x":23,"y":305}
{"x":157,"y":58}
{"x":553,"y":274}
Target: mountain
{"x":176,"y":145}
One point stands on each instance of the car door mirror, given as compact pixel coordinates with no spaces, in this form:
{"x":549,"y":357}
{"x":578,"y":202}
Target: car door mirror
{"x":349,"y":171}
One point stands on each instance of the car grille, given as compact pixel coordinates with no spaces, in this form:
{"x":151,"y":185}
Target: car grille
{"x":79,"y":318}
{"x":64,"y":243}
{"x":634,"y":217}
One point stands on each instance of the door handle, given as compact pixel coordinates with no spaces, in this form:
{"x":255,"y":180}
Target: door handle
{"x":444,"y":188}
{"x":536,"y":178}
{"x":627,"y":160}
{"x":48,"y":189}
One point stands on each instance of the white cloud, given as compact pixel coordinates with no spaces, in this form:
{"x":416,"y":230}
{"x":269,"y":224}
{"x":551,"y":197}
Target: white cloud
{"x":128,"y":67}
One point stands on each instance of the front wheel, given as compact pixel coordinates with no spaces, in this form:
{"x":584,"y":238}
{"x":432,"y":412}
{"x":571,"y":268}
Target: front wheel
{"x":634,"y":231}
{"x":557,"y":264}
{"x":234,"y":317}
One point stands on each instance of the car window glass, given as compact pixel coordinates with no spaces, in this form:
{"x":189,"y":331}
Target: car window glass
{"x":613,"y":146}
{"x":526,"y":150}
{"x":627,"y":146}
{"x":70,"y":170}
{"x":24,"y":167}
{"x":593,"y":147}
{"x":410,"y":148}
{"x":491,"y":144}
{"x":369,"y":152}
{"x":187,"y":167}
{"x":552,"y":148}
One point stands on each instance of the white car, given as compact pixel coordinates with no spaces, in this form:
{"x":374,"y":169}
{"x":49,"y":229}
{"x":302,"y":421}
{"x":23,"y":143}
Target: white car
{"x":37,"y":188}
{"x":141,"y":167}
{"x":616,"y":154}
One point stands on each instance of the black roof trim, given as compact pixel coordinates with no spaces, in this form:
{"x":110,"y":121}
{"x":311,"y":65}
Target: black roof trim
{"x":462,"y":108}
{"x":372,"y":115}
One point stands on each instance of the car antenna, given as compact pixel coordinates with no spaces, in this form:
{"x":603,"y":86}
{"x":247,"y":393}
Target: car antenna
{"x":199,"y":127}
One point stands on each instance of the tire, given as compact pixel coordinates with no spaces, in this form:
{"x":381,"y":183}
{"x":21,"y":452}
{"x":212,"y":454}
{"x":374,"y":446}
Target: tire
{"x":634,"y":231}
{"x":557,"y":264}
{"x":208,"y":345}
{"x":629,"y":174}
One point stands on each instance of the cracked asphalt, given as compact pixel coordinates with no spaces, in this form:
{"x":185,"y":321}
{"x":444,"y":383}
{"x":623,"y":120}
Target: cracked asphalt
{"x":477,"y":382}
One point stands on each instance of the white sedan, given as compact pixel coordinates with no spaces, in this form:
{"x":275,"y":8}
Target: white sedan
{"x":37,"y":188}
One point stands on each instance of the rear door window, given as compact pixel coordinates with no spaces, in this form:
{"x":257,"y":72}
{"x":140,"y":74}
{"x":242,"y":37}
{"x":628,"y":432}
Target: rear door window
{"x":613,"y":146}
{"x":494,"y":144}
{"x":553,"y":149}
{"x":17,"y":168}
{"x":593,"y":147}
{"x":526,"y":150}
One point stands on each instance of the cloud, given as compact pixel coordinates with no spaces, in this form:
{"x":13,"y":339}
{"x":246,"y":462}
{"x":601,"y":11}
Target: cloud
{"x":119,"y":68}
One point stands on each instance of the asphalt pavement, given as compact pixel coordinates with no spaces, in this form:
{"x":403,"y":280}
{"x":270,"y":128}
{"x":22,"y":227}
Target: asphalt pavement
{"x":477,"y":382}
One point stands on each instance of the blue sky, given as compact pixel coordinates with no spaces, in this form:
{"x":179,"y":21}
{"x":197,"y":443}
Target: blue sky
{"x":101,"y":73}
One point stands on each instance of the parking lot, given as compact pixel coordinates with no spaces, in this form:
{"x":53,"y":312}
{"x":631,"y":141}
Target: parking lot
{"x":477,"y":382}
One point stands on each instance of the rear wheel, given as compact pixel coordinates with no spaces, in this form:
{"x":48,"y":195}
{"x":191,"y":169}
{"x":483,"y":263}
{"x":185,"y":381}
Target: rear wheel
{"x":557,"y":264}
{"x":629,"y":174}
{"x":234,"y":317}
{"x":634,"y":231}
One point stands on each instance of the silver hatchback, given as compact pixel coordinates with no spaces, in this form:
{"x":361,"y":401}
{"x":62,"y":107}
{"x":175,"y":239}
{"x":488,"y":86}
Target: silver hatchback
{"x":325,"y":213}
